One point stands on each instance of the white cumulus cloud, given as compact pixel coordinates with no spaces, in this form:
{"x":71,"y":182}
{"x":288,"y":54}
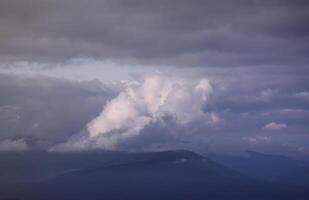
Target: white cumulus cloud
{"x":141,"y":103}
{"x":275,"y":126}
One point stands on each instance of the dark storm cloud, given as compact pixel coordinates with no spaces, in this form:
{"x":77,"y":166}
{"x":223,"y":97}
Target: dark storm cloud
{"x":195,"y":32}
{"x":256,"y":55}
{"x":43,"y":111}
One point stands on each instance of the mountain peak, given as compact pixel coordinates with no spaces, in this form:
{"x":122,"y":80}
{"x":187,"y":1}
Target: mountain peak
{"x":168,"y":155}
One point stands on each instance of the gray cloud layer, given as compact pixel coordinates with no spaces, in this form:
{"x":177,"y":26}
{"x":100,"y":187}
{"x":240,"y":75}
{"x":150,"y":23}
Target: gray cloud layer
{"x":254,"y":53}
{"x":44,"y":111}
{"x":40,"y":112}
{"x":175,"y":32}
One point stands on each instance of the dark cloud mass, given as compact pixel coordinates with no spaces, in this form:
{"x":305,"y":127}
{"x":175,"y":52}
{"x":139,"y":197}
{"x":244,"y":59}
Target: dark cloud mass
{"x":232,"y":75}
{"x":42,"y":111}
{"x":190,"y":33}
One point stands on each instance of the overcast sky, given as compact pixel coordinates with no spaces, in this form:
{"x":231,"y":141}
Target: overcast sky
{"x":207,"y":75}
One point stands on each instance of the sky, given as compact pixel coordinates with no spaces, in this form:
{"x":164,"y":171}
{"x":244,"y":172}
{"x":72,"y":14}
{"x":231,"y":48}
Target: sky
{"x":205,"y":75}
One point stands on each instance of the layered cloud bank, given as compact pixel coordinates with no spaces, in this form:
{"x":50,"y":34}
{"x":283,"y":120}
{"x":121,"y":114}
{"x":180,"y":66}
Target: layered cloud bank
{"x":13,"y":145}
{"x":142,"y":103}
{"x":173,"y":32}
{"x":225,"y":114}
{"x":61,"y":60}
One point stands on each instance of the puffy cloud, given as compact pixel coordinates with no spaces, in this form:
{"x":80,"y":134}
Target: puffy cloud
{"x":143,"y":103}
{"x":275,"y":126}
{"x":258,"y":139}
{"x":13,"y":145}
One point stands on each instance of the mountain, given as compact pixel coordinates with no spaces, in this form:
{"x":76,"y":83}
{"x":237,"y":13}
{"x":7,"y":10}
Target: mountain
{"x":288,"y":173}
{"x":168,"y":175}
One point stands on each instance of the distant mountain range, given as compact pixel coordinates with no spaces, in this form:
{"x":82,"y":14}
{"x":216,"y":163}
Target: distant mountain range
{"x":167,"y":175}
{"x":288,"y":173}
